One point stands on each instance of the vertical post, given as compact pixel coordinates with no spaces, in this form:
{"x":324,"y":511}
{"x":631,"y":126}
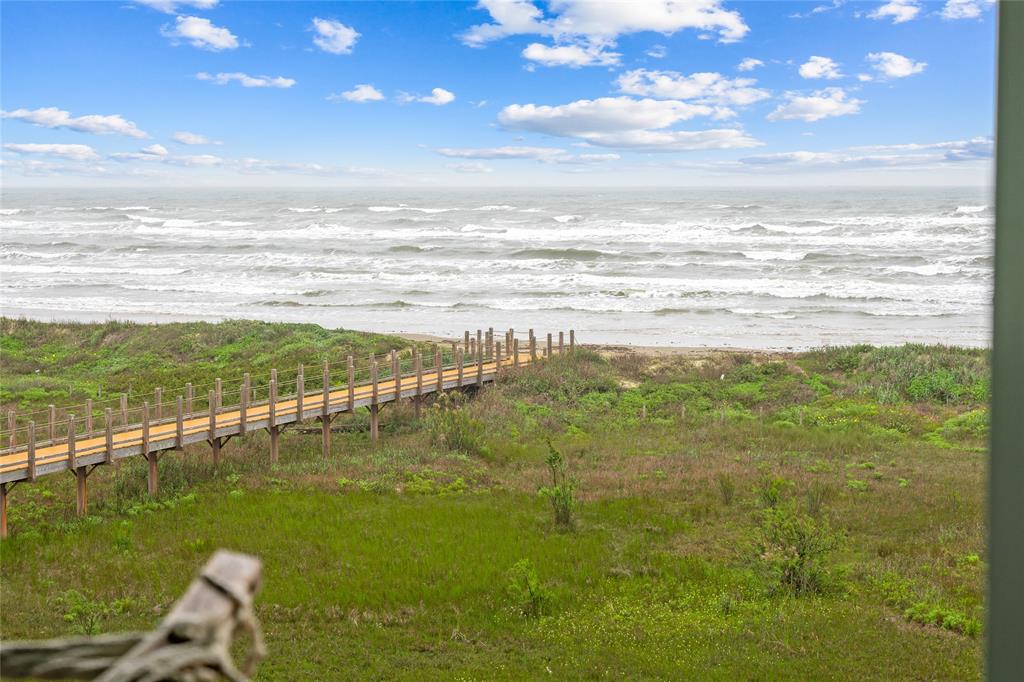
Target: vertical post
{"x":561,"y":342}
{"x":219,"y":387}
{"x":53,"y":423}
{"x":71,"y":441}
{"x":3,"y":510}
{"x":11,"y":422}
{"x":151,"y":479}
{"x":458,"y":362}
{"x":275,"y":433}
{"x":439,"y":369}
{"x":455,"y":347}
{"x":515,"y":353}
{"x":88,"y":416}
{"x":417,"y":362}
{"x":465,"y":341}
{"x":189,"y":398}
{"x":214,"y":440}
{"x":533,"y":346}
{"x":374,"y":407}
{"x":179,"y":424}
{"x":325,"y":417}
{"x":396,"y":374}
{"x":81,"y":493}
{"x":351,"y":385}
{"x":158,"y":398}
{"x":108,"y":428}
{"x":31,"y":451}
{"x":124,"y":409}
{"x":572,"y":340}
{"x":300,"y":394}
{"x":497,"y":357}
{"x":243,"y":404}
{"x":479,"y":342}
{"x":549,"y":345}
{"x":479,"y":367}
{"x":490,"y":342}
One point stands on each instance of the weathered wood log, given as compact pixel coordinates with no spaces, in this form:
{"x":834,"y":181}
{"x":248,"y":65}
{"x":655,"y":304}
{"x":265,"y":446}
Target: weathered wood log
{"x":192,"y":643}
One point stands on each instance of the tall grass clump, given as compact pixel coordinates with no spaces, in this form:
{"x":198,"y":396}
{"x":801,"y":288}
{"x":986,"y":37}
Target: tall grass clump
{"x":562,"y":491}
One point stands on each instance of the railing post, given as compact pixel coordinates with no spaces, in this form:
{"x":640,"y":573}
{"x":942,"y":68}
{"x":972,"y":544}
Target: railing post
{"x":243,"y":404}
{"x":275,"y":433}
{"x":31,"y":451}
{"x":439,"y":370}
{"x":158,"y":397}
{"x":533,"y":346}
{"x":417,"y":362}
{"x":351,"y":385}
{"x":124,"y":409}
{"x":151,"y":457}
{"x":396,"y":374}
{"x":219,"y":387}
{"x":189,"y":398}
{"x":497,"y":357}
{"x":71,"y":442}
{"x":572,"y":340}
{"x":88,"y":416}
{"x":479,"y":367}
{"x":479,"y":342}
{"x":374,"y":407}
{"x":515,"y":353}
{"x":214,"y":440}
{"x":325,"y":416}
{"x":300,"y":393}
{"x":458,"y":363}
{"x":11,"y":423}
{"x":145,"y":428}
{"x":548,"y":352}
{"x":465,"y":341}
{"x":490,"y":343}
{"x":561,"y":342}
{"x":179,"y":424}
{"x":53,"y":423}
{"x":108,"y":428}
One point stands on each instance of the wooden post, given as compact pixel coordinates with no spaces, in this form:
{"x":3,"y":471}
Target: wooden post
{"x":53,"y":423}
{"x":189,"y":398}
{"x":439,"y":369}
{"x":81,"y":492}
{"x":243,"y":404}
{"x":497,"y":357}
{"x":396,"y":374}
{"x":158,"y":397}
{"x":3,"y":510}
{"x":300,"y":393}
{"x":472,"y":348}
{"x":374,"y":408}
{"x":458,"y":362}
{"x":417,"y":362}
{"x":561,"y":342}
{"x":275,"y":432}
{"x":88,"y":416}
{"x":219,"y":387}
{"x":11,"y":422}
{"x":124,"y":409}
{"x":31,"y":451}
{"x":455,"y":347}
{"x":214,"y":440}
{"x":479,"y":367}
{"x":572,"y":340}
{"x":479,"y":342}
{"x":490,"y":342}
{"x":465,"y":341}
{"x":151,"y":479}
{"x":325,"y":417}
{"x":533,"y":346}
{"x":351,"y":385}
{"x":179,"y":424}
{"x":71,"y":441}
{"x":548,"y":353}
{"x":108,"y":427}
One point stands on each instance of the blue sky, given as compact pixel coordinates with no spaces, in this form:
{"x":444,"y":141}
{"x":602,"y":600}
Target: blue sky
{"x":500,"y":92}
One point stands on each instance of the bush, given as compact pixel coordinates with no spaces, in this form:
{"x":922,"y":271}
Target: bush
{"x":792,"y":551}
{"x":454,"y":429}
{"x":561,"y":492}
{"x":87,"y":615}
{"x":529,"y":597}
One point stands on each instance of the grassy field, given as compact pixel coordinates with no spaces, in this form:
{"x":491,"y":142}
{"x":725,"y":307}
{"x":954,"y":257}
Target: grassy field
{"x":811,"y":516}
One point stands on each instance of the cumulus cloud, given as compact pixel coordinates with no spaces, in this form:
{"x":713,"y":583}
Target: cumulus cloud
{"x":604,"y":21}
{"x":624,"y":122}
{"x":749,"y":64}
{"x":246,"y":80}
{"x":201,"y":33}
{"x":573,"y":56}
{"x":74,"y":152}
{"x":437,"y":97}
{"x":816,"y":106}
{"x":333,"y":36}
{"x":702,"y":88}
{"x":820,"y":67}
{"x":964,"y":9}
{"x":897,"y":10}
{"x":171,"y":6}
{"x":185,"y":137}
{"x":892,"y":65}
{"x":52,"y":117}
{"x":364,"y":92}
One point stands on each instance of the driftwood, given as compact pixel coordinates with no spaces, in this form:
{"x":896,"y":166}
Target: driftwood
{"x":193,"y":643}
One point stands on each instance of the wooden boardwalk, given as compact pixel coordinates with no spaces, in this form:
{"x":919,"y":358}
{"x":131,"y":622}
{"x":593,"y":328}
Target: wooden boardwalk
{"x":74,"y":446}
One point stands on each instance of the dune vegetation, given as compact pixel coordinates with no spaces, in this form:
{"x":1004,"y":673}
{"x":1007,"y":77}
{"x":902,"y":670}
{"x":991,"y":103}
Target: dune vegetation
{"x":718,"y":515}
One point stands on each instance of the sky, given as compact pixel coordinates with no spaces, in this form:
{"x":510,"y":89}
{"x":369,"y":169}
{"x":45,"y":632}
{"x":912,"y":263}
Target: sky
{"x":207,"y":93}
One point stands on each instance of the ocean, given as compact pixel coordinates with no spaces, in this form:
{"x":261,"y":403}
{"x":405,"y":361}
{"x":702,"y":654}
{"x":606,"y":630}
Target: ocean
{"x":761,"y":268}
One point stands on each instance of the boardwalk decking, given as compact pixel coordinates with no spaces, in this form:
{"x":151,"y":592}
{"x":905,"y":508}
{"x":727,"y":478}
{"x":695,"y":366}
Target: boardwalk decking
{"x":475,"y":362}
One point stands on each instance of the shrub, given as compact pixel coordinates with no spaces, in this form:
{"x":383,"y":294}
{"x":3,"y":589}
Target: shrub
{"x":770,"y":491}
{"x":562,"y":490}
{"x":727,"y":488}
{"x":529,"y":597}
{"x":87,"y":615}
{"x":792,"y":551}
{"x":454,"y":429}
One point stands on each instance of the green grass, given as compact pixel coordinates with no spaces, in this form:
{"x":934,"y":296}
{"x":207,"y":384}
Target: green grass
{"x":805,"y":517}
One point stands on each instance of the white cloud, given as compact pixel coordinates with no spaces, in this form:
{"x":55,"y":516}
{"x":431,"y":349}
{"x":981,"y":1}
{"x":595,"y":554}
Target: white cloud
{"x":749,"y":64}
{"x":878,"y":156}
{"x":964,"y":9}
{"x":437,"y":97}
{"x":75,"y":152}
{"x":836,"y":4}
{"x":197,"y":160}
{"x":657,"y":51}
{"x":333,"y":36}
{"x":469,"y":167}
{"x":509,"y":152}
{"x":171,"y":6}
{"x":601,"y":22}
{"x":184,"y":137}
{"x":52,"y":117}
{"x":816,"y":106}
{"x":201,"y":33}
{"x":623,"y":122}
{"x":586,"y":159}
{"x":364,"y":92}
{"x":899,"y":10}
{"x":865,"y":77}
{"x":703,"y":88}
{"x":894,"y":65}
{"x":246,"y":80}
{"x":573,"y":56}
{"x":975,"y":147}
{"x":820,"y":67}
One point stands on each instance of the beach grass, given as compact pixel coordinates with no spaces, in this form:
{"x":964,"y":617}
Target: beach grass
{"x":730,"y":515}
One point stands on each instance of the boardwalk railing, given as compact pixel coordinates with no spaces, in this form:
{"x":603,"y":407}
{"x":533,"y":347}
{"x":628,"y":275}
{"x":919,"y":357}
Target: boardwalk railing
{"x":61,"y":441}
